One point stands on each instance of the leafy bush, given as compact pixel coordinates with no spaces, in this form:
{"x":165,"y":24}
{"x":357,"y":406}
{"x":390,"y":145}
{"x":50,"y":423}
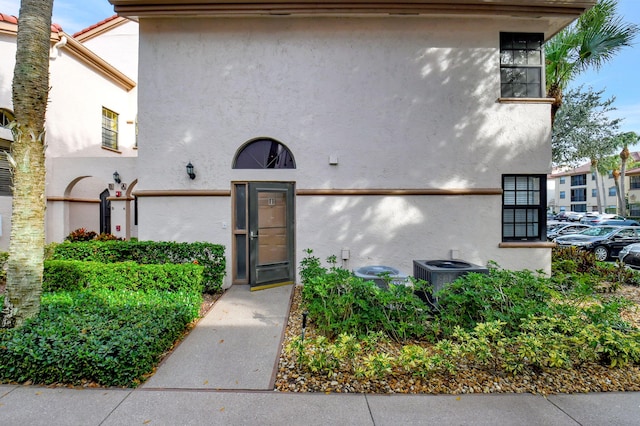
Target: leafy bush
{"x":80,"y":234}
{"x":338,"y":302}
{"x":209,"y":256}
{"x":505,"y":321}
{"x":107,"y":237}
{"x":110,"y":338}
{"x":501,"y":295}
{"x":4,"y":258}
{"x":73,"y":275}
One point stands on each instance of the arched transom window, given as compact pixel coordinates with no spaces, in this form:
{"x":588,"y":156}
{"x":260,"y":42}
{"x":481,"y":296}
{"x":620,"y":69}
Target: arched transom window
{"x":264,"y":153}
{"x":6,"y":117}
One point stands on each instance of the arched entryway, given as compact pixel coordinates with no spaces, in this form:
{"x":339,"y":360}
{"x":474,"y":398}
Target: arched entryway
{"x":264,"y":217}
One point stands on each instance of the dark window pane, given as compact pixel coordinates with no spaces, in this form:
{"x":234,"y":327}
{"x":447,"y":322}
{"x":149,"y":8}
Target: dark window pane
{"x":241,"y":257}
{"x":241,"y":206}
{"x":264,"y":154}
{"x":523,"y":207}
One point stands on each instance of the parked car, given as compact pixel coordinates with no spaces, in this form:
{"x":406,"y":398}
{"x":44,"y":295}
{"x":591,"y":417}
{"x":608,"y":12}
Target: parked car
{"x":562,"y":216}
{"x":598,"y":218}
{"x":575,"y":216}
{"x":620,"y":222}
{"x":630,"y":255}
{"x":565,"y":229}
{"x":603,"y":241}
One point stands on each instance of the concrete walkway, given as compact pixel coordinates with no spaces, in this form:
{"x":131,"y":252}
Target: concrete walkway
{"x":223,"y":372}
{"x":235,"y":346}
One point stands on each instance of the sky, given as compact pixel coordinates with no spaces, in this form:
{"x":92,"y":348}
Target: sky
{"x":71,"y":15}
{"x":617,"y":78}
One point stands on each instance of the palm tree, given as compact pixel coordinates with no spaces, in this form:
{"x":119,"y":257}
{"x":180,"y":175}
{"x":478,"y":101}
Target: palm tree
{"x":625,"y":139}
{"x":591,"y":42}
{"x":30,"y":92}
{"x":617,"y":165}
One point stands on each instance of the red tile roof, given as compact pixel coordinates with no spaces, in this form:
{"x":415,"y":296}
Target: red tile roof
{"x":55,"y":28}
{"x":104,"y":21}
{"x":8,"y":18}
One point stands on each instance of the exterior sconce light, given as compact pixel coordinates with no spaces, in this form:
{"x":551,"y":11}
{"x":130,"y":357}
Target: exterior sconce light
{"x":116,"y":177}
{"x":190,"y":172}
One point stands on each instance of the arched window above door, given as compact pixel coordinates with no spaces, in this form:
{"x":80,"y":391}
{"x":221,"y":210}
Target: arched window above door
{"x":6,"y":117}
{"x":264,"y":153}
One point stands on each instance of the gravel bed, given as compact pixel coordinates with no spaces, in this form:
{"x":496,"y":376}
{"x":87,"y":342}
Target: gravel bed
{"x":586,"y":378}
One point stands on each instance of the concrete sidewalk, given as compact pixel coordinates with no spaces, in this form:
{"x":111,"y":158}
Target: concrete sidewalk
{"x":31,"y":405}
{"x":223,"y":374}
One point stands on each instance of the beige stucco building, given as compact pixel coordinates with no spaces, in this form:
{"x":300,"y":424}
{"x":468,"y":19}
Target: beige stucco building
{"x":377,"y":132}
{"x":92,"y":73}
{"x":577,"y":190}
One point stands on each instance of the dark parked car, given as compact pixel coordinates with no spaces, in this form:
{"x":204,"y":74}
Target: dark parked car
{"x":630,"y":255}
{"x":603,"y":241}
{"x":565,"y":229}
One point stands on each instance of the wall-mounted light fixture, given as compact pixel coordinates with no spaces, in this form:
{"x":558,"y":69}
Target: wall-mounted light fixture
{"x":190,"y":172}
{"x":116,"y":177}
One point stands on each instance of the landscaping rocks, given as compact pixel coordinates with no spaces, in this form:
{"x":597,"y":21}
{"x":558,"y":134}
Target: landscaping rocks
{"x":586,"y":378}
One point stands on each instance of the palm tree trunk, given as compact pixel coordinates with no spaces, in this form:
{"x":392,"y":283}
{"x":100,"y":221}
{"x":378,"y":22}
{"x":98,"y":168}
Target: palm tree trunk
{"x":624,"y":156}
{"x":555,"y":92}
{"x":616,"y":181}
{"x":30,"y":92}
{"x":594,"y":172}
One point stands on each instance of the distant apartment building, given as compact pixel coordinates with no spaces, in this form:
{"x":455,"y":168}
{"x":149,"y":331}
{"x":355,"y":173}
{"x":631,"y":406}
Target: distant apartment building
{"x":633,"y":192}
{"x":577,"y":190}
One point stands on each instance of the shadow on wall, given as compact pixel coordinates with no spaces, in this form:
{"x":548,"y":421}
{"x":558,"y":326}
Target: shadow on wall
{"x":402,"y":104}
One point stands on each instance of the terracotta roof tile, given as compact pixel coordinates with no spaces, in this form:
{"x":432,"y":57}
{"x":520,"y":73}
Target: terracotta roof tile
{"x":8,"y":18}
{"x":56,"y":28}
{"x":104,"y":21}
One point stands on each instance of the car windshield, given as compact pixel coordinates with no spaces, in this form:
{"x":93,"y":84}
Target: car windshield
{"x":598,"y":231}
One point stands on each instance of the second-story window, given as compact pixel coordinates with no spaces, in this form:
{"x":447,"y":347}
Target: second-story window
{"x":521,"y":63}
{"x":109,"y":129}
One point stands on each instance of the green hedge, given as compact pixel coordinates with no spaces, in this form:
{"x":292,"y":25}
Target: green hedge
{"x":210,"y":256}
{"x":108,"y":337}
{"x":71,"y":275}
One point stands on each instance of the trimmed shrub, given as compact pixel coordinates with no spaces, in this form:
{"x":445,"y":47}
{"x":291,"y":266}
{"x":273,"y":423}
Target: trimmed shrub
{"x":209,"y":256}
{"x":70,"y":275}
{"x":110,"y":338}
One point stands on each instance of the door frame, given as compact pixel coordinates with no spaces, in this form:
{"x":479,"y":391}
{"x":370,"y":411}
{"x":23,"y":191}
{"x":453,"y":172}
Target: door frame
{"x":241,"y":271}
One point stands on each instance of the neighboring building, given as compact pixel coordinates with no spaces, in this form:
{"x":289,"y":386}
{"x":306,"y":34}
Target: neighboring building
{"x":575,"y":189}
{"x":633,"y":191}
{"x":379,"y":132}
{"x":90,"y":128}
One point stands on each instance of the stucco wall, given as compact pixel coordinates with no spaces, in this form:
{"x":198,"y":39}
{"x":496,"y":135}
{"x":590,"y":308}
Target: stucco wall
{"x":74,"y":121}
{"x":119,"y":47}
{"x":74,"y":134}
{"x":402,"y":103}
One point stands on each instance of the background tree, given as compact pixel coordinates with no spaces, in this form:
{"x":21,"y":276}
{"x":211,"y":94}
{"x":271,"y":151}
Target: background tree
{"x":30,"y":92}
{"x":592,"y":41}
{"x":624,"y":140}
{"x":584,"y":131}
